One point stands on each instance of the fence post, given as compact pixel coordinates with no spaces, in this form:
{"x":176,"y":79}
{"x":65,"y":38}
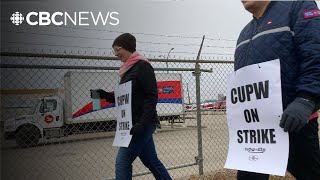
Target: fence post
{"x":197,"y":75}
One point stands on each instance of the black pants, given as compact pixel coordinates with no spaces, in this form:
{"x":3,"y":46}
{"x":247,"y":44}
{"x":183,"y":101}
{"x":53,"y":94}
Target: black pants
{"x":304,"y":155}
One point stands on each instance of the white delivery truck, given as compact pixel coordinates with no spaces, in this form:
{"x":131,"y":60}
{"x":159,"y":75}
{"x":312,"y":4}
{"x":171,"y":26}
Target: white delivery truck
{"x":70,"y":110}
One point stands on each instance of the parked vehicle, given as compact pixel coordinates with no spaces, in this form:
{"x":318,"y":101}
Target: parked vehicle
{"x":208,"y":104}
{"x":220,"y":105}
{"x":190,"y":107}
{"x":70,"y":110}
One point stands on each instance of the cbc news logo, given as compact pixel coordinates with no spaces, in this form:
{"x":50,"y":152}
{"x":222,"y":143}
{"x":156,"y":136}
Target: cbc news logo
{"x":82,"y":18}
{"x":17,"y":18}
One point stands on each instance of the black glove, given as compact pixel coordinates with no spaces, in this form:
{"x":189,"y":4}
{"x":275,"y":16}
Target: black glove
{"x":96,"y":93}
{"x":101,"y":94}
{"x":296,"y":115}
{"x":137,"y":129}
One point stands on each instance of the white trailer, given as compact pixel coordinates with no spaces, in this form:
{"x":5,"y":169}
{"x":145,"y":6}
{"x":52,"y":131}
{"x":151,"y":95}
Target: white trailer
{"x":70,"y":110}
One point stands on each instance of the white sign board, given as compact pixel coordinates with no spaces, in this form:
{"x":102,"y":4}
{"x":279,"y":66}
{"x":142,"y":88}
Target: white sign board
{"x":124,"y":114}
{"x":254,"y":109}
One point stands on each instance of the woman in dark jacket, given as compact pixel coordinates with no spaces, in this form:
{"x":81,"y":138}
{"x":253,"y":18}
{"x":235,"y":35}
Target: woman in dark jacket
{"x":137,"y":69}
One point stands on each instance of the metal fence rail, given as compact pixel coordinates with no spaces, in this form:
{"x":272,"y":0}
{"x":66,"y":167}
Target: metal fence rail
{"x":40,"y":143}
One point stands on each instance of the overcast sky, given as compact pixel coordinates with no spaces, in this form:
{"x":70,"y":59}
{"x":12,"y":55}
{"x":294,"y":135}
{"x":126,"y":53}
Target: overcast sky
{"x":220,"y":21}
{"x":187,"y":18}
{"x":158,"y":25}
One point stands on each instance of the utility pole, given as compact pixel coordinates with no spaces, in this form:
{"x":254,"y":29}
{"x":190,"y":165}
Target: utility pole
{"x":188,"y":93}
{"x":197,"y":74}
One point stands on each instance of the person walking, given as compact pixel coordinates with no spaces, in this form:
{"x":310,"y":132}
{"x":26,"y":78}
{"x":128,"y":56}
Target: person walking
{"x":137,"y":69}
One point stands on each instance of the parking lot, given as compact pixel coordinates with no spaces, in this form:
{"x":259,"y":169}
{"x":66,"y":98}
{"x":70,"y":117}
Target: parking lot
{"x":91,"y":156}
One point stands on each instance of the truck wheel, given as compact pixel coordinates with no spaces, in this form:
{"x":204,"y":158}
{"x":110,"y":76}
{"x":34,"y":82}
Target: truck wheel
{"x":27,"y":136}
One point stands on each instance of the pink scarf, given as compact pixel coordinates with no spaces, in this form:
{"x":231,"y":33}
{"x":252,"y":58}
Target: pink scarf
{"x":314,"y":115}
{"x":132,"y":60}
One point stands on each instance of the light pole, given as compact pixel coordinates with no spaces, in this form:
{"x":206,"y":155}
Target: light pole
{"x":168,"y":58}
{"x":188,"y":93}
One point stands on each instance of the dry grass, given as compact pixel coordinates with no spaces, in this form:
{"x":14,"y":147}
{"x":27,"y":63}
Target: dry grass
{"x":231,"y":175}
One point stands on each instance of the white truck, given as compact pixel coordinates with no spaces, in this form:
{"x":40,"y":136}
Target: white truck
{"x":70,"y":110}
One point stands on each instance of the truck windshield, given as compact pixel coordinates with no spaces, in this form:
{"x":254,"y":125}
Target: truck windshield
{"x":48,"y":105}
{"x":34,"y":107}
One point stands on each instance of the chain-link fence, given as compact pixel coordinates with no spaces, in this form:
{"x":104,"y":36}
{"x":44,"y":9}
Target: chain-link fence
{"x":51,"y":130}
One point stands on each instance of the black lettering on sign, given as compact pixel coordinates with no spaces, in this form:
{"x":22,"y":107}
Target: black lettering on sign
{"x":253,"y":138}
{"x":249,"y":91}
{"x":243,"y":93}
{"x":123,"y":113}
{"x":261,"y":90}
{"x":123,"y":99}
{"x":124,"y":125}
{"x":245,"y":135}
{"x":240,"y":139}
{"x":251,"y":116}
{"x":257,"y":136}
{"x":234,"y":99}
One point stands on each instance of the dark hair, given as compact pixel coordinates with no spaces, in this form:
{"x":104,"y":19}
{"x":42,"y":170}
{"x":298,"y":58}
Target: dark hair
{"x":126,"y":41}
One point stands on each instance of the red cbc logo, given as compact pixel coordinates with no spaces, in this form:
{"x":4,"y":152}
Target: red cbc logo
{"x":48,"y":119}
